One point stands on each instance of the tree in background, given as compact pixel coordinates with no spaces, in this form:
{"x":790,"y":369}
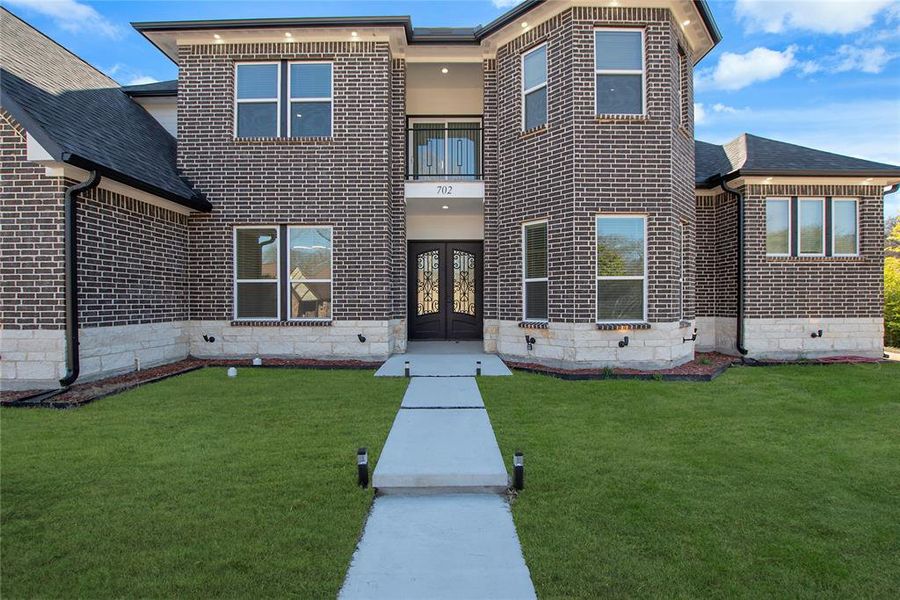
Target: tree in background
{"x":892,"y":286}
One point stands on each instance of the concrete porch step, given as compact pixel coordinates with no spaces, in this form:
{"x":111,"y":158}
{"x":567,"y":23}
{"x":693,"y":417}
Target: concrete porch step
{"x":429,"y":450}
{"x":436,"y":547}
{"x":443,"y":365}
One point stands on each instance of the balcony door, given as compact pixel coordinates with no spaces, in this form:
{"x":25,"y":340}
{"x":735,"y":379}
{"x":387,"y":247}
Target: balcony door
{"x":445,"y":290}
{"x":444,"y":149}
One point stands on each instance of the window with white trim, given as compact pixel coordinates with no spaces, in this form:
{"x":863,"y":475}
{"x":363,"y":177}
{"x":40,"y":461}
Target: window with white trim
{"x":534,"y":271}
{"x":811,"y":226}
{"x":309,"y":272}
{"x":778,"y":226}
{"x":844,"y":227}
{"x":621,"y":268}
{"x":619,"y":71}
{"x":534,"y":88}
{"x":257,"y":100}
{"x":681,"y":75}
{"x":256,"y":262}
{"x":310,"y":99}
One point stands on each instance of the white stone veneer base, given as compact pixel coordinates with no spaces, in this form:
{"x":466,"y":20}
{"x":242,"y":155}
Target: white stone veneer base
{"x":338,"y":341}
{"x":717,"y":334}
{"x":583,"y":346}
{"x":791,"y":339}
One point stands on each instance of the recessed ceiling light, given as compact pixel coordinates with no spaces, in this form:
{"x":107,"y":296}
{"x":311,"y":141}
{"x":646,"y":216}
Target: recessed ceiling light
{"x":353,"y":34}
{"x":445,"y":70}
{"x":288,"y":34}
{"x":217,"y":36}
{"x":445,"y":207}
{"x":686,"y":22}
{"x":524,"y":24}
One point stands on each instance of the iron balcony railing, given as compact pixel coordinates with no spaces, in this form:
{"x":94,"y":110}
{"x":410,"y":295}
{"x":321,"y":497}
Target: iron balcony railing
{"x":444,"y":150}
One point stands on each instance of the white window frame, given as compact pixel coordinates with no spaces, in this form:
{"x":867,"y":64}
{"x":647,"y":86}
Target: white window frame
{"x":645,"y":277}
{"x":526,"y":279}
{"x":276,"y":281}
{"x":642,"y":72}
{"x":856,"y":204}
{"x":277,"y":97}
{"x":790,"y":225}
{"x":290,"y":100}
{"x":525,"y":92}
{"x":290,"y":281}
{"x":681,"y":57}
{"x":800,"y":202}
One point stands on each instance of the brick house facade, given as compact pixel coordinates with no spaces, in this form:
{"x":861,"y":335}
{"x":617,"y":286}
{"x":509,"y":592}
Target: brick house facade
{"x":160,"y":253}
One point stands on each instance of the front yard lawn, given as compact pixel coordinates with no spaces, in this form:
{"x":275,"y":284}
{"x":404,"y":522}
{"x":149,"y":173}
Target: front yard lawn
{"x":196,"y":486}
{"x":768,"y":482}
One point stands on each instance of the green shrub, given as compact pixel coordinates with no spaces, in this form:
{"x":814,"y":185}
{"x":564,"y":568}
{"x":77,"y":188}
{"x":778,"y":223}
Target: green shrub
{"x":892,"y":301}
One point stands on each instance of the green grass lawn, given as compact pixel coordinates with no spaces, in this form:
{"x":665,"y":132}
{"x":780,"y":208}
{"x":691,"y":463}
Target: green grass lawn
{"x":768,"y":482}
{"x":196,"y":486}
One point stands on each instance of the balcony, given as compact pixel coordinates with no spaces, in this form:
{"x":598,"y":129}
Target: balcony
{"x":444,"y":149}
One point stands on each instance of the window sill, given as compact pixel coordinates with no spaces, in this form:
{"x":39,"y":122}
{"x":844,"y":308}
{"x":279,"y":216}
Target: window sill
{"x":298,"y":323}
{"x":622,"y":118}
{"x":814,"y":259}
{"x":534,"y":324}
{"x":284,"y":141}
{"x":534,"y":132}
{"x":617,"y":326}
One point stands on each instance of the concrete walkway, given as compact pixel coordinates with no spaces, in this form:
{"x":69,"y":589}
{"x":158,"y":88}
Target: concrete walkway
{"x":443,"y":359}
{"x":440,"y":526}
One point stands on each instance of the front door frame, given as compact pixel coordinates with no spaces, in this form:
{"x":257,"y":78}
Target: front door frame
{"x":448,"y":324}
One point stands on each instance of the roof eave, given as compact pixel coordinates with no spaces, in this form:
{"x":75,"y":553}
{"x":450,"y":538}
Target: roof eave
{"x":195,"y":202}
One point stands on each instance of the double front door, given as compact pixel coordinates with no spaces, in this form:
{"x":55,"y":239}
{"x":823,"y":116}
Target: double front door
{"x":445,"y":290}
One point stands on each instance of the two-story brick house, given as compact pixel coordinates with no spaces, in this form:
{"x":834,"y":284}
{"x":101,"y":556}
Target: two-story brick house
{"x":341,"y":186}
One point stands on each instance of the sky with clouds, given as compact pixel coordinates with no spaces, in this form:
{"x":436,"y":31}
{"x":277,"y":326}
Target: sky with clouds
{"x":821,"y":73}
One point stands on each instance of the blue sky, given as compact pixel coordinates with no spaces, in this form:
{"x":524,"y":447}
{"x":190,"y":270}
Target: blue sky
{"x":820,"y":73}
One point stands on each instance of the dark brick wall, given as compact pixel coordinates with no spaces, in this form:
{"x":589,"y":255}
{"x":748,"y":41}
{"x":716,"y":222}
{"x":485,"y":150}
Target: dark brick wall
{"x":787,"y":287}
{"x":344,"y":181}
{"x":132,"y":264}
{"x":582,"y":165}
{"x":716,"y":243}
{"x":132,"y":255}
{"x":491,"y":179}
{"x":32,"y":278}
{"x":812,"y":286}
{"x":398,"y":202}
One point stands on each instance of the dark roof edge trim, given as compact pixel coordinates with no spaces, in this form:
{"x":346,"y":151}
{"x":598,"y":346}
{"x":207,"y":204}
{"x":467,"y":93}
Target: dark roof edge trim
{"x":150,"y":93}
{"x":31,"y":126}
{"x":506,"y":18}
{"x":716,"y":180}
{"x":194,"y":203}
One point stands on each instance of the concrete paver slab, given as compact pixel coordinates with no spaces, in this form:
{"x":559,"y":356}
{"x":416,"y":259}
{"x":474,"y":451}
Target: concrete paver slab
{"x":443,"y":365}
{"x":461,"y":546}
{"x":440,"y":449}
{"x":442,"y":392}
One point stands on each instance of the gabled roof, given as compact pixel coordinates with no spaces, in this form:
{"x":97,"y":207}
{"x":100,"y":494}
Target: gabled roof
{"x":81,"y":117}
{"x":158,"y":88}
{"x":753,"y":155}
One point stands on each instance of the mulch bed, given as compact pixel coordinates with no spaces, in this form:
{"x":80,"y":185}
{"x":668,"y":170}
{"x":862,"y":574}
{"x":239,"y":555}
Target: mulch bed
{"x":83,"y":393}
{"x":706,"y":366}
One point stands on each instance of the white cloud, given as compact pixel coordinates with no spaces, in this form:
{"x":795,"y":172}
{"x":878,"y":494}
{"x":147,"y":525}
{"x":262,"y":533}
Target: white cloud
{"x":722,"y":108}
{"x":141,"y":79}
{"x":867,"y":60}
{"x":699,"y":113}
{"x":737,"y":71}
{"x":505,"y":3}
{"x":72,"y":15}
{"x":828,"y":16}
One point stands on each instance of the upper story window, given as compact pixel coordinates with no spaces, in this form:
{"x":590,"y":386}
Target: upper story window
{"x":310,"y":99}
{"x":621,"y":268}
{"x":257,"y":100}
{"x":266,"y":109}
{"x":619,"y":71}
{"x":534,"y":271}
{"x":534,"y":88}
{"x":812,"y":226}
